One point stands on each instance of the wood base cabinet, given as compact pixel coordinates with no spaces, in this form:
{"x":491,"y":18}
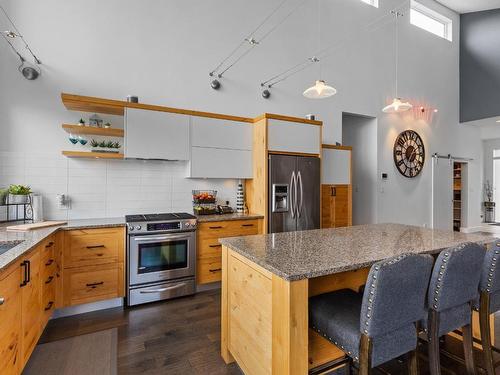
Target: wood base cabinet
{"x":10,"y":322}
{"x":336,"y":206}
{"x":209,"y":250}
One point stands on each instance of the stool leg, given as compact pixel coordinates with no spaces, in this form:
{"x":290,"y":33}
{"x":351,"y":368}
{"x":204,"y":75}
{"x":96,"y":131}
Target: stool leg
{"x":433,"y":338}
{"x":365,"y":356}
{"x":484,"y":323}
{"x":468,"y":349}
{"x":413,"y":362}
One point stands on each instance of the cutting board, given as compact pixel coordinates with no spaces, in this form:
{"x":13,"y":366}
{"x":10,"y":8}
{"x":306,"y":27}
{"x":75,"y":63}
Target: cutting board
{"x":28,"y":227}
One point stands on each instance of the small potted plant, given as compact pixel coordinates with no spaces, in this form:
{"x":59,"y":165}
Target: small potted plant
{"x":105,"y":146}
{"x":81,"y":122}
{"x":19,"y":194}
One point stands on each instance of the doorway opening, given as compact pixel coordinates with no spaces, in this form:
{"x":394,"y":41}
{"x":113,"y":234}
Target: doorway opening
{"x":450,"y":205}
{"x":360,"y":132}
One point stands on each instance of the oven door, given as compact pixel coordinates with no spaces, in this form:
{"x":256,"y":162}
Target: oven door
{"x":159,"y":257}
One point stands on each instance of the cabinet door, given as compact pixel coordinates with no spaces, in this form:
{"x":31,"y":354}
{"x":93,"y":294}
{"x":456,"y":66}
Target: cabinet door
{"x":336,"y":166}
{"x":220,"y":163}
{"x":284,"y":136}
{"x":10,"y":324}
{"x":211,"y":132}
{"x":31,"y":306}
{"x":336,"y":211}
{"x":156,"y":135}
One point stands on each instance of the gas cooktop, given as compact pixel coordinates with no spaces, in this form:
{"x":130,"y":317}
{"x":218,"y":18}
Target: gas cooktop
{"x":159,"y":217}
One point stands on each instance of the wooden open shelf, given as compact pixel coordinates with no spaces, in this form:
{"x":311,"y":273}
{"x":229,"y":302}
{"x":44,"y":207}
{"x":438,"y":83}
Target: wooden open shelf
{"x":92,"y":155}
{"x":77,"y":129}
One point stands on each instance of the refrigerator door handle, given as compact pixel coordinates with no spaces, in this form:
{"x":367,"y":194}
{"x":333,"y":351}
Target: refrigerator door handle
{"x":293,"y":194}
{"x":299,"y":180}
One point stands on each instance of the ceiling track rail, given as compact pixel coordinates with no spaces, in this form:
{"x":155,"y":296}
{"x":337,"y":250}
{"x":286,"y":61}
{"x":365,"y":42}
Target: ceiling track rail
{"x":450,"y":157}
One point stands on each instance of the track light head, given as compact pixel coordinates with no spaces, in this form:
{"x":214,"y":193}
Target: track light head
{"x":10,"y":34}
{"x":266,"y":94}
{"x":215,"y":84}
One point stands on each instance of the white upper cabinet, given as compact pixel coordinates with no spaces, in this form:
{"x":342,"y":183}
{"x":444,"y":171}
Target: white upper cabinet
{"x":212,"y":132}
{"x":156,"y":135}
{"x":336,"y":166}
{"x":220,"y":148}
{"x":287,"y":136}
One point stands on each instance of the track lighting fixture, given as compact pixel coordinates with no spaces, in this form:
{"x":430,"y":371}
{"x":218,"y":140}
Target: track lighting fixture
{"x":215,"y":84}
{"x":266,"y":94}
{"x":11,"y":34}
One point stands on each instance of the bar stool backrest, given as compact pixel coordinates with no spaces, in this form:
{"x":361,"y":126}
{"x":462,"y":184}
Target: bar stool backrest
{"x":490,"y":276}
{"x":455,"y":278}
{"x":395,"y":292}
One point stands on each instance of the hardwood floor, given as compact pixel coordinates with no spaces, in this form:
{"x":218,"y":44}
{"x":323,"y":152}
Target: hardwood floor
{"x":182,"y":336}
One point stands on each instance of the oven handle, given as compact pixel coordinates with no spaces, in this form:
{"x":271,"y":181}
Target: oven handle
{"x":177,"y":286}
{"x":164,"y":238}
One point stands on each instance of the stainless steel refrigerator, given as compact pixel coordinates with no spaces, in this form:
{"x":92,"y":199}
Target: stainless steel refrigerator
{"x":294,"y":188}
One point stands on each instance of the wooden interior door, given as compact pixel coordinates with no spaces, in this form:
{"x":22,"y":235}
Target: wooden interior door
{"x":31,"y":306}
{"x":336,"y":206}
{"x":10,"y":324}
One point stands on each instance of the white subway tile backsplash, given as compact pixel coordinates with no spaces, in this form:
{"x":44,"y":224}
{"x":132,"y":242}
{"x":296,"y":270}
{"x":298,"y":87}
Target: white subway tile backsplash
{"x":107,"y":188}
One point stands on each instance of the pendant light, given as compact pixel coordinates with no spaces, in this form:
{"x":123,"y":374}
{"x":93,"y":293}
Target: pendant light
{"x":320,"y":90}
{"x":397,"y":105}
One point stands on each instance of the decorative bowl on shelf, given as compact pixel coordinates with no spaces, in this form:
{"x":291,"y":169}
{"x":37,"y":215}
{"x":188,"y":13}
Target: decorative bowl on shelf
{"x":204,"y":196}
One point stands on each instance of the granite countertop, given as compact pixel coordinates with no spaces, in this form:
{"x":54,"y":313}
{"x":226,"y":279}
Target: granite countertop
{"x":33,"y":237}
{"x":307,"y":254}
{"x":226,"y":217}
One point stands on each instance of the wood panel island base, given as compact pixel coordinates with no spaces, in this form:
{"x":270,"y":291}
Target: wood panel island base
{"x":268,"y":279}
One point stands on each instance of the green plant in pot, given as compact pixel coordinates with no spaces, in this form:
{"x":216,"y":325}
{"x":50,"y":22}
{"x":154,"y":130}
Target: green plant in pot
{"x":19,"y":194}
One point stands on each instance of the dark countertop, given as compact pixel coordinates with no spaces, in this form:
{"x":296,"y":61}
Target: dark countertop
{"x":307,"y":254}
{"x":33,"y":237}
{"x":227,"y":217}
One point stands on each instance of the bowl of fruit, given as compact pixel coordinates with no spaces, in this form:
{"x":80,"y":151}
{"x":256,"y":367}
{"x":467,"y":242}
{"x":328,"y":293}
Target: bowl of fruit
{"x":204,"y":196}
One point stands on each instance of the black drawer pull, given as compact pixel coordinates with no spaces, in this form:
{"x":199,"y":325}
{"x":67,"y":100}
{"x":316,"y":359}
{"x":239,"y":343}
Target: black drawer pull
{"x":215,"y":270}
{"x":50,"y":244}
{"x":49,"y":306}
{"x":94,"y":285}
{"x":216,"y":227}
{"x":95,"y":247}
{"x":247,"y":225}
{"x":49,"y":279}
{"x":49,"y":262}
{"x":215,"y":245}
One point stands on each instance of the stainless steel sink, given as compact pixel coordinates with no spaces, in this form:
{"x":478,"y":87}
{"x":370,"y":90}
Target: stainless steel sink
{"x":7,"y":245}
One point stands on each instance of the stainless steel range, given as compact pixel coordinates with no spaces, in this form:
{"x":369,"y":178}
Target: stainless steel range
{"x":161,"y":253}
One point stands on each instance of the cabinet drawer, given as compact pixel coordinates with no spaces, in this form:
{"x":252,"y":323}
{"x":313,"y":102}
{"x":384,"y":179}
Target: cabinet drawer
{"x":92,"y":283}
{"x":221,"y":229}
{"x":48,"y":274}
{"x":93,"y":246}
{"x":209,"y":270}
{"x":48,"y":301}
{"x":208,"y":247}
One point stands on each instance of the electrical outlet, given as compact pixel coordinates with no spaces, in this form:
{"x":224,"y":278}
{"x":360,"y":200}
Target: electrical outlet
{"x":63,"y":201}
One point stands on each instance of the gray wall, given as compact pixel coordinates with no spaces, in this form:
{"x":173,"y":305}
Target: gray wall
{"x":162,"y":51}
{"x":480,"y":65}
{"x":361,"y":133}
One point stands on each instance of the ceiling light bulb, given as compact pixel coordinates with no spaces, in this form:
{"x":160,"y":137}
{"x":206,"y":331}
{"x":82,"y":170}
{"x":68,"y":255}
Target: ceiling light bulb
{"x":319,"y":91}
{"x":397,"y":106}
{"x":9,"y":33}
{"x":436,"y":110}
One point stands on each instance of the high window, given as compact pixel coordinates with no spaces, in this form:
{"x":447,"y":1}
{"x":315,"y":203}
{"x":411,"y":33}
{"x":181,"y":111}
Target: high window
{"x":430,"y":20}
{"x":373,"y":3}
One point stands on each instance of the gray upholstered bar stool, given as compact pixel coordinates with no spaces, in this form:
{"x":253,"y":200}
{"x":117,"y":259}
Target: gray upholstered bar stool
{"x":489,"y":302}
{"x":378,"y":325}
{"x":452,"y":292}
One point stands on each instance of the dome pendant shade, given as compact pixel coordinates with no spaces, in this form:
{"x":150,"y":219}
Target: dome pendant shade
{"x":319,"y":91}
{"x":397,"y":106}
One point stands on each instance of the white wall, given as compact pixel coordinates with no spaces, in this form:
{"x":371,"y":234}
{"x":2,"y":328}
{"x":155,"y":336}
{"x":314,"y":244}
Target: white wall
{"x":361,"y":133}
{"x":162,"y":51}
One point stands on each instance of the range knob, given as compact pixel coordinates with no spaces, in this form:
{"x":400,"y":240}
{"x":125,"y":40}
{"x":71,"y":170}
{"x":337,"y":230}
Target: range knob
{"x":130,"y":227}
{"x":138,"y":227}
{"x":188,"y":225}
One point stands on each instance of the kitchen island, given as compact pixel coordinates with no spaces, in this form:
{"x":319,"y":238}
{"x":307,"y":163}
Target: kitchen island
{"x":267,"y":280}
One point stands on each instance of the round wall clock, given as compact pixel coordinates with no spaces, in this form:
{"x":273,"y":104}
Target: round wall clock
{"x":409,"y":153}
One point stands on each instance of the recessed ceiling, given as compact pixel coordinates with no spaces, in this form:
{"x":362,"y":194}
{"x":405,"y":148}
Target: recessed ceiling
{"x":467,"y":6}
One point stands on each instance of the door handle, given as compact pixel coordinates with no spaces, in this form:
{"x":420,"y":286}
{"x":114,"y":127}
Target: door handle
{"x":247,"y":225}
{"x":148,"y":291}
{"x":215,"y":227}
{"x":214,"y":245}
{"x":49,"y":244}
{"x":95,"y":247}
{"x":49,"y":306}
{"x":162,"y":238}
{"x":215,"y":270}
{"x":24,"y":264}
{"x":49,"y":279}
{"x":334,"y":191}
{"x":28,"y":263}
{"x":299,"y":180}
{"x":49,"y":262}
{"x":293,"y":193}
